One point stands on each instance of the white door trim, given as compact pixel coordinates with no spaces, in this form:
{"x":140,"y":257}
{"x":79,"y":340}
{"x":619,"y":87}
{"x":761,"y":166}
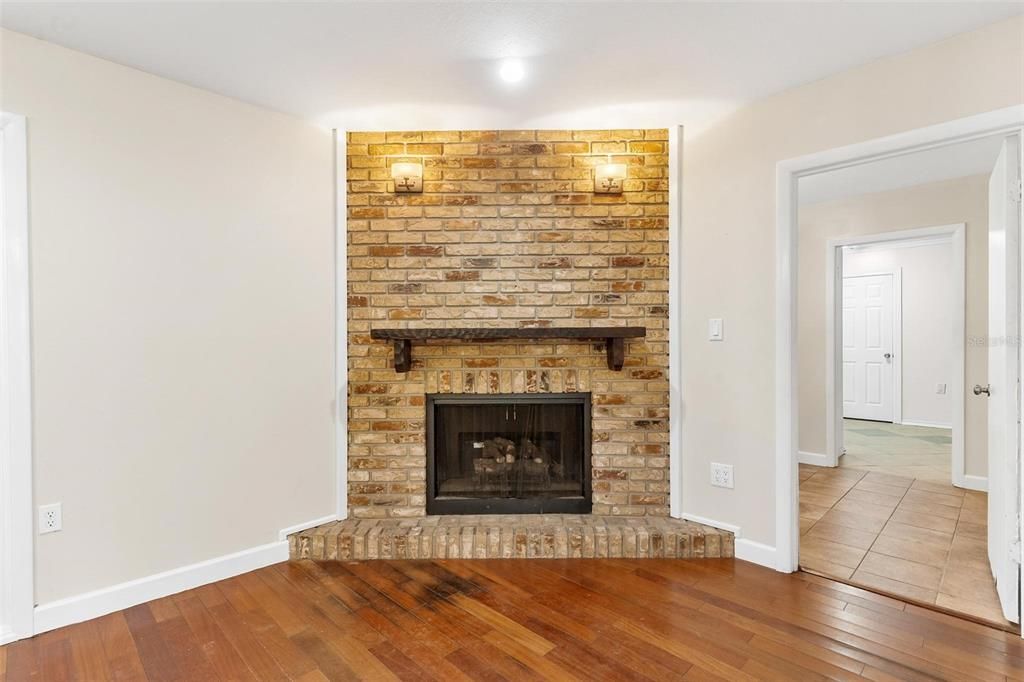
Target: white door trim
{"x":341,"y":322}
{"x":675,"y":320}
{"x":16,"y":528}
{"x":955,"y":234}
{"x":788,"y":172}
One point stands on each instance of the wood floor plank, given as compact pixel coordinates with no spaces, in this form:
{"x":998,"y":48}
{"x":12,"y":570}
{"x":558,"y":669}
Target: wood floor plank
{"x":23,"y":659}
{"x":503,"y":624}
{"x":157,"y":659}
{"x":90,"y":661}
{"x":262,"y":664}
{"x":119,"y":647}
{"x":57,"y":661}
{"x":328,"y":661}
{"x":221,"y":654}
{"x":544,"y":667}
{"x":460,"y":620}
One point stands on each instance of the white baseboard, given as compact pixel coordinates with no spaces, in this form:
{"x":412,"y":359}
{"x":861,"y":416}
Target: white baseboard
{"x":285,"y":532}
{"x":100,"y":602}
{"x":704,"y":521}
{"x":815,"y":458}
{"x":927,"y":425}
{"x":975,"y":483}
{"x":756,"y":553}
{"x":6,"y":637}
{"x":747,"y":550}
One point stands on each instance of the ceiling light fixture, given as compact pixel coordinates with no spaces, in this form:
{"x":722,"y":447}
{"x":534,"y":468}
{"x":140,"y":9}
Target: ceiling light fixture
{"x":512,"y":71}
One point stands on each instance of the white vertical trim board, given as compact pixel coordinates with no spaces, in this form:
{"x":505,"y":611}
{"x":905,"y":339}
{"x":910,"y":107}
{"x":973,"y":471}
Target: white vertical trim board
{"x":341,"y":322}
{"x":787,"y":433}
{"x":1003,"y":121}
{"x":675,"y":309}
{"x":16,"y":528}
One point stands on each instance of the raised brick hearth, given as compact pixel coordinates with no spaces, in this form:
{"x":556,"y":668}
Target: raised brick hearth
{"x":510,"y":536}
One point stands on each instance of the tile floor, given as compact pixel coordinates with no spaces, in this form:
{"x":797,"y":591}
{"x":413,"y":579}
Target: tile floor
{"x":888,"y":518}
{"x":899,"y":450}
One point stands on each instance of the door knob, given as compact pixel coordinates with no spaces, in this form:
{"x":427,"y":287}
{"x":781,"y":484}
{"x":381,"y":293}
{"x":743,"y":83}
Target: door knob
{"x":887,"y":356}
{"x":979,"y":389}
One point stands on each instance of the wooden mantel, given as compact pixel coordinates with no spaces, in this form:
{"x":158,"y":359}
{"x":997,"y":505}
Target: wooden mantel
{"x":613,"y":337}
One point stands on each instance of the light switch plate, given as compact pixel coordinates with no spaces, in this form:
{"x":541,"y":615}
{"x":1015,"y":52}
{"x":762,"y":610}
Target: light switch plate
{"x":940,"y":389}
{"x":716,"y":331}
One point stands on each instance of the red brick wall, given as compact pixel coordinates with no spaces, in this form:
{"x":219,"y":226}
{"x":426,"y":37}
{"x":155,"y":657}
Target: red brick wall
{"x":508,"y":232}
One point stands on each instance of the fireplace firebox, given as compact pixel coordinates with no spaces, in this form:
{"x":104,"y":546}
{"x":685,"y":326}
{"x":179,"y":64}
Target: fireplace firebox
{"x":508,"y":454}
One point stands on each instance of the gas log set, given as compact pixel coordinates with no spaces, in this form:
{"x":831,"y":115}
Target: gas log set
{"x":503,"y":460}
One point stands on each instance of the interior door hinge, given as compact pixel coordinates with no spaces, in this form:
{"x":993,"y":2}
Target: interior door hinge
{"x":1015,"y":552}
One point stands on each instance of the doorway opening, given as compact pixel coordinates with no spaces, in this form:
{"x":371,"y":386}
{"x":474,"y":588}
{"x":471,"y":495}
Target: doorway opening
{"x":880,"y":359}
{"x":896,"y":319}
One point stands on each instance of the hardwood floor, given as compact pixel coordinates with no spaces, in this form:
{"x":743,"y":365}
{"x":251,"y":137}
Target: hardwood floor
{"x":499,"y":619}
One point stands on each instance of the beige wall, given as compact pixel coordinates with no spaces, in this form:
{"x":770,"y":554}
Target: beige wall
{"x":182,"y":317}
{"x":961,"y":200}
{"x":729,"y":241}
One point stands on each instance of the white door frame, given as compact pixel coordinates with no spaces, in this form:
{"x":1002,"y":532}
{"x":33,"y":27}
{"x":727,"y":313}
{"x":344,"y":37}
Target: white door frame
{"x":675,"y":370}
{"x":16,"y":527}
{"x":954,"y":234}
{"x":1002,"y":121}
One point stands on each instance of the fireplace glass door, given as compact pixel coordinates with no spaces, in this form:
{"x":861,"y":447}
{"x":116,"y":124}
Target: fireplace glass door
{"x":508,"y":454}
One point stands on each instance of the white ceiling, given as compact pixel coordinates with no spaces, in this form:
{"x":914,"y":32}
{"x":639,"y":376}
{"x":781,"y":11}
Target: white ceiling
{"x":976,"y":157}
{"x":362,"y":65}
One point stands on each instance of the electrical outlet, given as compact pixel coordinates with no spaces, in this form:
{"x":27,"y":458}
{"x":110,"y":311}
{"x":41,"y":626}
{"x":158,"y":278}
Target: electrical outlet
{"x":940,"y":389}
{"x":721,"y":475}
{"x":49,"y":518}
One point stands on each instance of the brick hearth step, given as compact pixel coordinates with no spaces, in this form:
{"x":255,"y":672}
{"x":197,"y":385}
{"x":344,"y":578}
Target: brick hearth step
{"x":527,"y":536}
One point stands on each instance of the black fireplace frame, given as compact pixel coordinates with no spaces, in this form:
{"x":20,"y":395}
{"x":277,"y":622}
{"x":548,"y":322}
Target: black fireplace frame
{"x":508,"y":505}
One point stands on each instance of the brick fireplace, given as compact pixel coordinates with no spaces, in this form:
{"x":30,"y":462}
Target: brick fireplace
{"x":508,"y":233}
{"x":508,"y":279}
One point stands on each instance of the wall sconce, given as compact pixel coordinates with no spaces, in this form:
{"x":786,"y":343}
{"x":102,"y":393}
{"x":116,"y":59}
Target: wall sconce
{"x":608,"y":178}
{"x":408,"y":177}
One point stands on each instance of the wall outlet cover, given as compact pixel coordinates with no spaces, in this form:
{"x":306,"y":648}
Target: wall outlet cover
{"x":50,"y":520}
{"x":721,"y":475}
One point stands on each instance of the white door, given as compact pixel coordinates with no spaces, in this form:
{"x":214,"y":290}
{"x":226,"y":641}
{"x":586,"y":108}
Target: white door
{"x":1003,"y":372}
{"x":867,"y":347}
